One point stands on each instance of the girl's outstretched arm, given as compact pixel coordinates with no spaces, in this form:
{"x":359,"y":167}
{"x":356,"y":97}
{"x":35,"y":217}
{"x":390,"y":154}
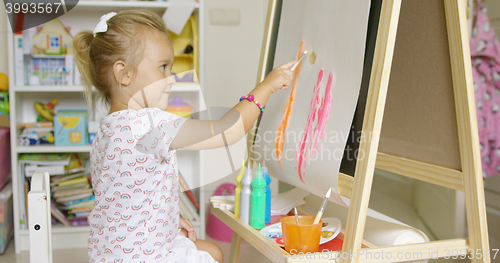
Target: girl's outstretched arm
{"x":230,"y":128}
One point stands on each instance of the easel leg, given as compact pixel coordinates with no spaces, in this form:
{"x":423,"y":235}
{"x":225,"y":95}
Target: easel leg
{"x":467,"y":129}
{"x":234,"y":253}
{"x":372,"y":123}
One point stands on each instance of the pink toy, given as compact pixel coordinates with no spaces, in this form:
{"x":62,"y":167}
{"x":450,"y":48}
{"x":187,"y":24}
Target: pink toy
{"x":4,"y":156}
{"x":215,"y":228}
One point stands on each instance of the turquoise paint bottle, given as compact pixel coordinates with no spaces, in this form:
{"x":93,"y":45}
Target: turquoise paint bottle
{"x":267,"y":192}
{"x":246,"y":190}
{"x":258,"y":201}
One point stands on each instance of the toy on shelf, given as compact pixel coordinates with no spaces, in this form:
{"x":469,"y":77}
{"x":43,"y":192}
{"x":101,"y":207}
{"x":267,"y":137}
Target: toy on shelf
{"x":178,"y":107}
{"x":36,"y":133}
{"x":188,"y":49}
{"x":4,"y":103}
{"x":52,"y":39}
{"x":46,"y":111}
{"x":36,"y":136}
{"x":186,"y":76}
{"x":71,"y":128}
{"x":4,"y":82}
{"x":46,"y":57}
{"x":93,"y":127}
{"x":186,"y":52}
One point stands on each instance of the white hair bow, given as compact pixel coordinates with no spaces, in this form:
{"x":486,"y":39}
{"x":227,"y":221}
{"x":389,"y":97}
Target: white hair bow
{"x":102,"y":26}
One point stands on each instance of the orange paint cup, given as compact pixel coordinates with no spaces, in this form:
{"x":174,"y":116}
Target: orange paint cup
{"x":303,"y":237}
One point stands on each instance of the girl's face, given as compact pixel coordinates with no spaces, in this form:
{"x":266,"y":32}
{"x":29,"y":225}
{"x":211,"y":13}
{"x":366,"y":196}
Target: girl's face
{"x":153,"y":81}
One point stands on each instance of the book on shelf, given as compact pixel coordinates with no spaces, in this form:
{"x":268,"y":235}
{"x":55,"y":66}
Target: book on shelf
{"x":87,"y":207}
{"x":79,"y":206}
{"x":70,"y":187}
{"x":65,"y":193}
{"x":77,"y":180}
{"x":54,"y":181}
{"x":73,"y":197}
{"x":189,"y":207}
{"x":184,"y":212}
{"x":30,"y":169}
{"x":79,"y":221}
{"x":77,"y":214}
{"x":185,"y":189}
{"x":54,"y":164}
{"x":69,"y":203}
{"x":73,"y":194}
{"x":45,"y":158}
{"x":40,"y":124}
{"x":58,"y":214}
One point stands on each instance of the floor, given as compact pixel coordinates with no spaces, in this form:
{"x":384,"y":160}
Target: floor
{"x":249,"y":254}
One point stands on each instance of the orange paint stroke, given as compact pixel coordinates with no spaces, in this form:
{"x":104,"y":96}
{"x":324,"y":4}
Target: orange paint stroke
{"x":287,"y":111}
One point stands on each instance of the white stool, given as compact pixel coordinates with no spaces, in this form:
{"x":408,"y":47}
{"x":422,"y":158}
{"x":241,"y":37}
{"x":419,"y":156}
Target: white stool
{"x":39,"y":219}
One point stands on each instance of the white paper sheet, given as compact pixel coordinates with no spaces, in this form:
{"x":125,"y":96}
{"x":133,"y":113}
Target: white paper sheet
{"x":335,"y":30}
{"x":282,"y":203}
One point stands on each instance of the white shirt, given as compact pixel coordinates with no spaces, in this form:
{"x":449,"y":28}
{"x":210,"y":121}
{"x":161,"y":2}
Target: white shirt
{"x":134,"y":176}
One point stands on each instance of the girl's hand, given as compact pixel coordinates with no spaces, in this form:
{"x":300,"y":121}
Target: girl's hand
{"x":280,"y":77}
{"x":187,"y":229}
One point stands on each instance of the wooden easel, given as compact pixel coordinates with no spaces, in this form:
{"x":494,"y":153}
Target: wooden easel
{"x":462,"y":173}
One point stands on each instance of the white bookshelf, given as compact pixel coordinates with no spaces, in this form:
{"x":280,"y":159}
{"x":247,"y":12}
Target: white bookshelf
{"x":85,"y":16}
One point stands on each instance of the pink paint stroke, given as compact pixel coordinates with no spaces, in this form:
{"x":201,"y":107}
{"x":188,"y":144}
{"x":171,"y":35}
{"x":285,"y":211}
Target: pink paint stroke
{"x":323,"y":113}
{"x":302,"y":156}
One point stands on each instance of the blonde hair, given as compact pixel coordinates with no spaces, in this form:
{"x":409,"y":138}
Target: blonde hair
{"x":124,"y":40}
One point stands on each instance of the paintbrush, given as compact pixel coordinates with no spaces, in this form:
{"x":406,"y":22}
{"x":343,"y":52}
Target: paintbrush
{"x":296,"y":216}
{"x":298,"y":61}
{"x":322,"y":207}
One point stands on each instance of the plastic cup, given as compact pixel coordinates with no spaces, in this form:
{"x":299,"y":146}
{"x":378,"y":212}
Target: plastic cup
{"x":304,"y":237}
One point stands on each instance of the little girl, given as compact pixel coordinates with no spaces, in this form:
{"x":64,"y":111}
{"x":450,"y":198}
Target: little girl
{"x":134,"y":173}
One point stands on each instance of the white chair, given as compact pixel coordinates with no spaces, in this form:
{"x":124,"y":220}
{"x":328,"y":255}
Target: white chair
{"x":39,"y":219}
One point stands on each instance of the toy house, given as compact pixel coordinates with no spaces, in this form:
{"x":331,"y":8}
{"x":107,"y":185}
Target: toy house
{"x":52,"y":39}
{"x":51,"y":62}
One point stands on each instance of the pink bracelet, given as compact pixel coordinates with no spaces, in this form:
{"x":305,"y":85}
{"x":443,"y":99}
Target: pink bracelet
{"x":251,"y":98}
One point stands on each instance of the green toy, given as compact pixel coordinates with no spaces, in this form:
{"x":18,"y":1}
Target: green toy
{"x":4,"y":103}
{"x":46,"y":110}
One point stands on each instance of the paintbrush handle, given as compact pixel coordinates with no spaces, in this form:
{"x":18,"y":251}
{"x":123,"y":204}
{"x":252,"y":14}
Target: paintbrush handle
{"x":318,"y":217}
{"x":297,"y":63}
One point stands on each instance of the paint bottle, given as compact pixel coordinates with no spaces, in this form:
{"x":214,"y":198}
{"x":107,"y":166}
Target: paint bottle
{"x":246,"y":191}
{"x":258,"y":201}
{"x":237,"y":191}
{"x":267,"y":192}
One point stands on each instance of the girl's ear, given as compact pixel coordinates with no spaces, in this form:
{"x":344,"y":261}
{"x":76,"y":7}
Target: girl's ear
{"x":122,"y":75}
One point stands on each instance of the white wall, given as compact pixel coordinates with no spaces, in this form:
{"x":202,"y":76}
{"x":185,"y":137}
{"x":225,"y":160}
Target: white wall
{"x":231,"y":62}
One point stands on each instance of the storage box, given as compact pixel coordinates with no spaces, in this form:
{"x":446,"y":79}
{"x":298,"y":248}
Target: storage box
{"x":6,"y":220}
{"x":4,"y":156}
{"x":70,"y":128}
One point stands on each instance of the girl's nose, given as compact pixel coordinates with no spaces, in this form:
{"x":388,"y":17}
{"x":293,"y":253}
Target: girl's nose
{"x":170,"y":80}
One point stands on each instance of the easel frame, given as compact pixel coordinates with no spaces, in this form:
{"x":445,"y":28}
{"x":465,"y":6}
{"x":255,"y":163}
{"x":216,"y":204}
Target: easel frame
{"x":358,"y":189}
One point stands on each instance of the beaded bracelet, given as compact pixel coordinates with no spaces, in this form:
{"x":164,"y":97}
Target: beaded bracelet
{"x":251,"y":98}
